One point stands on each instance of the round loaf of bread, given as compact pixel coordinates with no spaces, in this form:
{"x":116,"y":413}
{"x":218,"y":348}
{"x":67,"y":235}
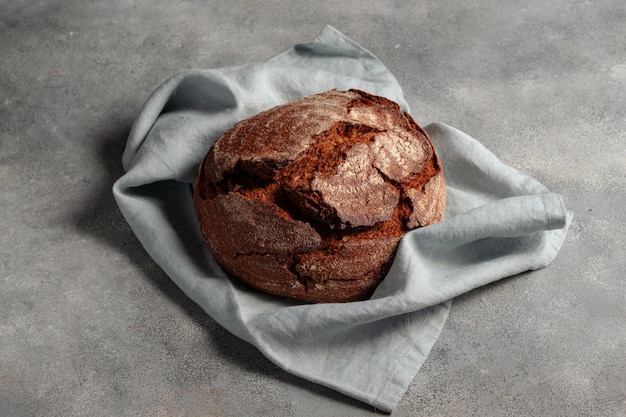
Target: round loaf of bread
{"x":310,"y":199}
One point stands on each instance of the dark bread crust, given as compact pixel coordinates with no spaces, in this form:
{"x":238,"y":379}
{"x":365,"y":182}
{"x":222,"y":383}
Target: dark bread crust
{"x":309,"y":200}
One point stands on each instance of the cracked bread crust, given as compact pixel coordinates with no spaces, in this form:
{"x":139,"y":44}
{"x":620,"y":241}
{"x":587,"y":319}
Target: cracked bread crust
{"x":310,"y":199}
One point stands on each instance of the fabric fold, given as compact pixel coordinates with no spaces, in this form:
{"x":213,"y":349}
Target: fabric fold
{"x":499,"y":222}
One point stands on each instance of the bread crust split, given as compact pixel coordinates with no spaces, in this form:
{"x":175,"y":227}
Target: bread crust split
{"x":309,"y":200}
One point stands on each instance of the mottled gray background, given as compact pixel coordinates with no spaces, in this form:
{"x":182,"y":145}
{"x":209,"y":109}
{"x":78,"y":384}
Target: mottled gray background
{"x":90,"y":326}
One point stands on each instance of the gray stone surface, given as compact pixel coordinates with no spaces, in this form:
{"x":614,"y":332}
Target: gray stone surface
{"x":90,"y":326}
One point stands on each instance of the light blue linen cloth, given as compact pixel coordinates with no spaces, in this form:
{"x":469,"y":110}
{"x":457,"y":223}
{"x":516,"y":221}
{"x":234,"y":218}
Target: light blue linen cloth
{"x":499,"y":222}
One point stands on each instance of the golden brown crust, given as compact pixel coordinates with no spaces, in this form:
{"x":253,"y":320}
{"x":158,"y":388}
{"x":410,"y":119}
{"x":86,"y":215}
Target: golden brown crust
{"x":309,"y":200}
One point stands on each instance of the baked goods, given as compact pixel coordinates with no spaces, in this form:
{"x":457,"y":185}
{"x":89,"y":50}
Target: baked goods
{"x":310,"y":199}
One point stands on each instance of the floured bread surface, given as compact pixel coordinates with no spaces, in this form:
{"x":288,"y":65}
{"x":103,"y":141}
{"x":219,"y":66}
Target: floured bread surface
{"x":310,"y":199}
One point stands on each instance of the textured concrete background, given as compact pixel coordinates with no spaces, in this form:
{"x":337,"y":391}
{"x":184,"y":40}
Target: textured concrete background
{"x":90,"y":326}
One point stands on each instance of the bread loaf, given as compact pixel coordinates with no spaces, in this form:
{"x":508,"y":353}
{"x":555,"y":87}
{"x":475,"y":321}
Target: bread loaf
{"x":310,"y":199}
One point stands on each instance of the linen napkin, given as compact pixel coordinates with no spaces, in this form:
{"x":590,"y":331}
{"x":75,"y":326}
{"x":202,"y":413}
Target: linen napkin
{"x":499,"y":222}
